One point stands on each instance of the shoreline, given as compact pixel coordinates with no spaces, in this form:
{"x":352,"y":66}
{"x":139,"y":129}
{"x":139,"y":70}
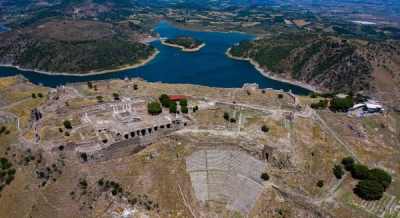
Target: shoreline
{"x":270,"y":76}
{"x":90,"y":73}
{"x":198,"y":48}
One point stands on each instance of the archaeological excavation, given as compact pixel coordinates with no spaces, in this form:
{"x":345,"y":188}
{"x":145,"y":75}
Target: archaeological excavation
{"x":129,"y":148}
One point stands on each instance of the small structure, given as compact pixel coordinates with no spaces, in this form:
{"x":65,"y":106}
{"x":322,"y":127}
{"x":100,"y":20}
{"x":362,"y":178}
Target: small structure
{"x":365,"y":108}
{"x":341,"y":96}
{"x":177,"y":97}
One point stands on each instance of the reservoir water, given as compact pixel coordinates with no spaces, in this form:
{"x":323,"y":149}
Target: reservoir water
{"x":209,"y":66}
{"x":3,"y":28}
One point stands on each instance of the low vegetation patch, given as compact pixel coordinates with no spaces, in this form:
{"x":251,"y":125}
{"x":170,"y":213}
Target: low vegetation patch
{"x":7,"y":173}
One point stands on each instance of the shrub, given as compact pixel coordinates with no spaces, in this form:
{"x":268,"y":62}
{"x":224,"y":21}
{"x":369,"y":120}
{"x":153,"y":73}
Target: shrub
{"x":232,"y":120}
{"x":2,"y":129}
{"x":265,"y":128}
{"x":226,"y":116}
{"x":184,"y":110}
{"x":67,"y":124}
{"x":280,"y":96}
{"x":135,"y":87}
{"x":99,"y":99}
{"x":100,"y":182}
{"x":359,"y":171}
{"x":369,"y":190}
{"x":322,"y":104}
{"x":313,"y":95}
{"x":338,"y":171}
{"x":380,"y":176}
{"x":348,"y":163}
{"x":154,"y":108}
{"x":90,"y":85}
{"x":116,"y":96}
{"x":164,"y":99}
{"x":265,"y":176}
{"x":40,"y":95}
{"x":320,"y":183}
{"x":341,"y":104}
{"x":195,"y":108}
{"x":33,"y":95}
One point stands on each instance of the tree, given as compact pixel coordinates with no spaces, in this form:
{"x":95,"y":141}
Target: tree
{"x":265,"y":128}
{"x":67,"y":124}
{"x":380,"y":176}
{"x":359,"y":171}
{"x":232,"y":120}
{"x":265,"y":176}
{"x":135,"y":87}
{"x":164,"y":99}
{"x":320,"y":183}
{"x":173,"y":107}
{"x":33,"y":95}
{"x":195,"y":108}
{"x":369,"y":190}
{"x":154,"y":108}
{"x":338,"y":171}
{"x":280,"y":96}
{"x":226,"y":116}
{"x":183,"y":103}
{"x":348,"y":163}
{"x":184,"y":109}
{"x":40,"y":95}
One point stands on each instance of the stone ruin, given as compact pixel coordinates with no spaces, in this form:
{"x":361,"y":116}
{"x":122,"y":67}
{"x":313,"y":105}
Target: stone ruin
{"x":231,"y":177}
{"x":123,"y":128}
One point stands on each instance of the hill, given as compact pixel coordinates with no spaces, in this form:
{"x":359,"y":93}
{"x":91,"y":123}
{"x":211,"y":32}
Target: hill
{"x":76,"y":47}
{"x":329,"y":63}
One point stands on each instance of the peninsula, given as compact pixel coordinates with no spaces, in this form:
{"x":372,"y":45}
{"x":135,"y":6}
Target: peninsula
{"x":185,"y":43}
{"x":69,"y":47}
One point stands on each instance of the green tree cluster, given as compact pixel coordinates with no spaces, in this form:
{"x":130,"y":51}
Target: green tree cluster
{"x":341,"y":104}
{"x":373,"y":182}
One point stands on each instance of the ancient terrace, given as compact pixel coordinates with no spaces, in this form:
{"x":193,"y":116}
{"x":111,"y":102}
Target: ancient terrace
{"x":119,"y":124}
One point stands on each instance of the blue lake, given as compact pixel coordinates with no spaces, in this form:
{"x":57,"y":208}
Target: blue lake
{"x":209,"y":66}
{"x":3,"y":28}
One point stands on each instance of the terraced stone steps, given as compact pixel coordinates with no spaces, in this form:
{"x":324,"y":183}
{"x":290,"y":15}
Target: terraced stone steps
{"x":387,"y":206}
